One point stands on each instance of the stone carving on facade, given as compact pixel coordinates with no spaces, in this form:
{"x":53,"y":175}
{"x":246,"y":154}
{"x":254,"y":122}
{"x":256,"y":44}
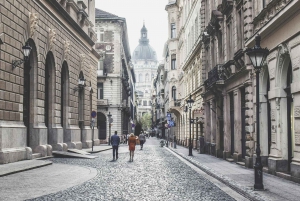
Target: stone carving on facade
{"x":268,"y":13}
{"x":277,"y":101}
{"x":297,"y":111}
{"x":281,"y":54}
{"x":82,"y":61}
{"x":63,"y":2}
{"x":66,"y":49}
{"x":51,"y":38}
{"x":33,"y":23}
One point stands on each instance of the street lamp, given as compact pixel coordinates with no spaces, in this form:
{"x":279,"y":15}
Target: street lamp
{"x":190,"y":102}
{"x":257,"y":56}
{"x":110,"y":121}
{"x":26,"y":51}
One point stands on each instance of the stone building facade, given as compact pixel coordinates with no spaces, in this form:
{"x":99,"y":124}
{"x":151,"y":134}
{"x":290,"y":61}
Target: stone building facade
{"x":214,"y":69}
{"x":277,"y":22}
{"x":144,"y":60}
{"x":116,"y":80}
{"x":42,"y":105}
{"x":184,"y":69}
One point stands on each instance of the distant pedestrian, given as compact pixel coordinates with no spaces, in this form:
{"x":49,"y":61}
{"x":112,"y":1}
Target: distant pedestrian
{"x":142,"y":139}
{"x":131,"y":143}
{"x":124,"y":139}
{"x":115,"y":141}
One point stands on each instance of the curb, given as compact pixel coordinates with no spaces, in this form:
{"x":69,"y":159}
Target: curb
{"x":247,"y":193}
{"x":93,"y":152}
{"x":25,"y":169}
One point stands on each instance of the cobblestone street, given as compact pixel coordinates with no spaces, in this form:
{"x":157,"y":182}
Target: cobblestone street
{"x":155,"y":174}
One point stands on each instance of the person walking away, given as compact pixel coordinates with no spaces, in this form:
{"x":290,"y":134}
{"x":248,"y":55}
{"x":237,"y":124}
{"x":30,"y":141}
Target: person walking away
{"x":175,"y":141}
{"x":142,"y":139}
{"x":124,"y":139}
{"x":115,"y":141}
{"x":131,"y":143}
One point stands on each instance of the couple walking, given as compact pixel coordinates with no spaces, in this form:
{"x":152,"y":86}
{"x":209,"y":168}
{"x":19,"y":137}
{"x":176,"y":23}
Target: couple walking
{"x":115,"y":141}
{"x":132,"y":142}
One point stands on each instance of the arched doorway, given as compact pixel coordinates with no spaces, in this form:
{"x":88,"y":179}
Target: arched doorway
{"x":290,"y":116}
{"x":101,"y":125}
{"x":49,"y":94}
{"x":29,"y":87}
{"x":64,"y":97}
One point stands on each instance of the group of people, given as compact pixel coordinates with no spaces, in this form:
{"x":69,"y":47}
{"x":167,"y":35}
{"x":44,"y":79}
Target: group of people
{"x":132,"y":141}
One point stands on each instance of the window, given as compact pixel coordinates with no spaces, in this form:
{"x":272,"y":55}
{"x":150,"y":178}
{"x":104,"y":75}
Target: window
{"x":100,"y":65}
{"x":264,"y":3}
{"x":240,"y":30}
{"x":196,"y":27}
{"x":144,"y":103}
{"x":144,"y":35}
{"x":140,"y":78}
{"x":229,"y":40}
{"x":100,"y":91}
{"x":174,"y":93}
{"x":173,"y":30}
{"x":147,"y":77}
{"x":173,"y":62}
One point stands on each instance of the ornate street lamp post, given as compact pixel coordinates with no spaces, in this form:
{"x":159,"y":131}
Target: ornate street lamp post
{"x":110,"y":121}
{"x":257,"y":56}
{"x":190,"y":102}
{"x":26,"y":51}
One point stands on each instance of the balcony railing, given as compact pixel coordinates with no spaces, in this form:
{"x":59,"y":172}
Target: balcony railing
{"x":102,"y":102}
{"x":216,"y":75}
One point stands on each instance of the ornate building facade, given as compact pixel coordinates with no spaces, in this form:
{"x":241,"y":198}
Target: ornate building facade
{"x":144,"y":60}
{"x":209,"y":51}
{"x":46,"y":98}
{"x":115,"y":76}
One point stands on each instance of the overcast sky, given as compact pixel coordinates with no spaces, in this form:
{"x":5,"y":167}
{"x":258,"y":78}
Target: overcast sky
{"x":135,"y":12}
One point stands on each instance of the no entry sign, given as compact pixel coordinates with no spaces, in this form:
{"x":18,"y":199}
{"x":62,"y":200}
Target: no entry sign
{"x":93,"y":114}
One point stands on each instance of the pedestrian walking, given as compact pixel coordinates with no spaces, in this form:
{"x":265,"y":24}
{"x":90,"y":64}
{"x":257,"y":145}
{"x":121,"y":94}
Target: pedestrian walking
{"x":115,"y":141}
{"x":131,"y":143}
{"x":142,"y":139}
{"x":124,"y":139}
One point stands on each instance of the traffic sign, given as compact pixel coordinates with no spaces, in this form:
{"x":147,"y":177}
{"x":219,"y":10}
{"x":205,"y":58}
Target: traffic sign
{"x":93,"y":114}
{"x":111,"y":120}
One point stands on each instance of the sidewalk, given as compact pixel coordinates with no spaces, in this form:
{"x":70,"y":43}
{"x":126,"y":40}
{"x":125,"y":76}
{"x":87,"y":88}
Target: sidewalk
{"x":20,"y":166}
{"x":241,"y":178}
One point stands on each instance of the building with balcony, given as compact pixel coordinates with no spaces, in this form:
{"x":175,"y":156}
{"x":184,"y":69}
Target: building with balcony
{"x":115,"y":76}
{"x":47,"y":96}
{"x":144,"y":60}
{"x":277,"y":22}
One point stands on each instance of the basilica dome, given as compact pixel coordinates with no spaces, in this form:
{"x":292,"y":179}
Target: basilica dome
{"x":144,"y":51}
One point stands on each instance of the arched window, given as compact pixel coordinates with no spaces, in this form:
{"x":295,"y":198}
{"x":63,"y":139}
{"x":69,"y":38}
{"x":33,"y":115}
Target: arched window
{"x":140,"y":77}
{"x":174,"y":93}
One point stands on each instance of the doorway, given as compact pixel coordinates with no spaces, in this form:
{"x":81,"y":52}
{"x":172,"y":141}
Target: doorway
{"x":231,"y":121}
{"x":101,"y":125}
{"x":290,"y":117}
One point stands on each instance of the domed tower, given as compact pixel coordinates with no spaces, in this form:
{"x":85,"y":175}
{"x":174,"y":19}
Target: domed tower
{"x":145,"y":66}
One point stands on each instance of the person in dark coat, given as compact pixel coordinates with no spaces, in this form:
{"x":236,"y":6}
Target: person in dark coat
{"x":115,"y":141}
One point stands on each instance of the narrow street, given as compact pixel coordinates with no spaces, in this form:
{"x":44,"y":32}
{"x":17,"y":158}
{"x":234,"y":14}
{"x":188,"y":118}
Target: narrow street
{"x":155,"y":174}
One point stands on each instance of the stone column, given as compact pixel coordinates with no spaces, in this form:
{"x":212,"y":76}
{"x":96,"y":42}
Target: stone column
{"x":237,"y":156}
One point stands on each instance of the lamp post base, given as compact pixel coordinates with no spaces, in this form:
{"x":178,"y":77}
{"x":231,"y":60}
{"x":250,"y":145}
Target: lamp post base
{"x":190,"y":151}
{"x":258,"y":173}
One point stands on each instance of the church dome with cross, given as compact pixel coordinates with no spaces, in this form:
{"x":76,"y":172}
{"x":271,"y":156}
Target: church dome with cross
{"x":144,"y":51}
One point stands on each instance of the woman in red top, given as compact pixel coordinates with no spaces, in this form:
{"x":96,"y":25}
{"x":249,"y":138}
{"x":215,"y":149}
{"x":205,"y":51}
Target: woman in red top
{"x":131,"y":143}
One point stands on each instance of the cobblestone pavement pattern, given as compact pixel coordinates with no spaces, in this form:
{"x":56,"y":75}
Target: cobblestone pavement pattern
{"x":155,"y":174}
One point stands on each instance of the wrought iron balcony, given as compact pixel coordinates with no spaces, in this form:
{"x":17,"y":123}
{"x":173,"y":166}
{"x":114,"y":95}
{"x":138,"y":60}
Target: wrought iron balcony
{"x":216,"y":75}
